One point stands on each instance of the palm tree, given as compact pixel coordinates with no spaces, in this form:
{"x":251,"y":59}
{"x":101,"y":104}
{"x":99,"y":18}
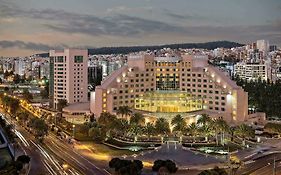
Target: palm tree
{"x":162,"y":126}
{"x":244,"y":131}
{"x":122,"y":125}
{"x":108,"y":122}
{"x":149,"y":129}
{"x":192,"y":129}
{"x":206,"y":131}
{"x":138,"y":119}
{"x":204,"y":120}
{"x":221,"y":127}
{"x":179,"y":123}
{"x":135,"y":130}
{"x":124,"y":111}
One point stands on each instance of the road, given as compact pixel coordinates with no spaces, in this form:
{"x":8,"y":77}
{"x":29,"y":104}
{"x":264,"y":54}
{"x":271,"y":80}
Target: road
{"x":54,"y":156}
{"x":262,"y":166}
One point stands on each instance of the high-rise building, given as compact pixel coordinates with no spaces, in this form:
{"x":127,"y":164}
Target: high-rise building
{"x":68,"y":76}
{"x":94,"y":75}
{"x":166,"y":86}
{"x":19,"y":67}
{"x":251,"y":71}
{"x":263,"y":45}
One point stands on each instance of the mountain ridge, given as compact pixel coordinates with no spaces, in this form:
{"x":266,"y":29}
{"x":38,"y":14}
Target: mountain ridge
{"x":127,"y":49}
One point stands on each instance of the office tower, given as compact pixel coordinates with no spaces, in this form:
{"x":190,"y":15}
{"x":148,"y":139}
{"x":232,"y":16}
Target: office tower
{"x":68,"y":76}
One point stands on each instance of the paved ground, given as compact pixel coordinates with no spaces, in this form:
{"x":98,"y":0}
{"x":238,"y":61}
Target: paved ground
{"x":182,"y":157}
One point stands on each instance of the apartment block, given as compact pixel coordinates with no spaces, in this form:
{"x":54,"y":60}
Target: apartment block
{"x":251,"y":71}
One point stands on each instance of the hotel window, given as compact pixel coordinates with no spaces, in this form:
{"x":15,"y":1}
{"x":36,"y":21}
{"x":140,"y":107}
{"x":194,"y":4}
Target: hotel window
{"x":216,"y":108}
{"x":222,"y":109}
{"x":222,"y":104}
{"x":216,"y":92}
{"x":210,"y":92}
{"x":205,"y":81}
{"x":210,"y":86}
{"x":222,"y":98}
{"x":78,"y":59}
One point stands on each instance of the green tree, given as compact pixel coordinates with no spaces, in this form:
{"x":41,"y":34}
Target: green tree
{"x":23,"y":116}
{"x":192,"y":130}
{"x":96,"y":134}
{"x":126,"y":167}
{"x":162,"y":126}
{"x":27,"y":95}
{"x":17,"y":79}
{"x":204,"y":120}
{"x":149,"y":129}
{"x":244,"y":131}
{"x":137,"y":119}
{"x":39,"y":127}
{"x":61,"y":104}
{"x":215,"y":171}
{"x":222,"y":128}
{"x":179,"y":124}
{"x":164,"y":167}
{"x":108,"y":122}
{"x":124,"y":111}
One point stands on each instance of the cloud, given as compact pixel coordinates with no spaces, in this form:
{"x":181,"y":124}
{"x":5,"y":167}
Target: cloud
{"x":126,"y":9}
{"x":4,"y":44}
{"x":131,"y":27}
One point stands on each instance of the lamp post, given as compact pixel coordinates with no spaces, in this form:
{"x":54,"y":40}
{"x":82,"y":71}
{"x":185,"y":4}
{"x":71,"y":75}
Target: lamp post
{"x":73,"y":131}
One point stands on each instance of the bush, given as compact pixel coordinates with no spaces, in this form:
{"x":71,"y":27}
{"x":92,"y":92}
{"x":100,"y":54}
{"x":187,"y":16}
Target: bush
{"x":163,"y":165}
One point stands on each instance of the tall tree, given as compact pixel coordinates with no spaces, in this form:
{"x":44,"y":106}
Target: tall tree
{"x":27,"y":95}
{"x":244,"y":131}
{"x":204,"y":120}
{"x":61,"y":104}
{"x":178,"y":123}
{"x":221,"y":127}
{"x":162,"y":126}
{"x":192,"y":129}
{"x":137,"y":119}
{"x":124,"y":111}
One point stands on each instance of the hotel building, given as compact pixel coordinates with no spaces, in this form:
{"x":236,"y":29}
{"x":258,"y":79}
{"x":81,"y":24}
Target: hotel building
{"x":68,"y":76}
{"x":166,"y":86}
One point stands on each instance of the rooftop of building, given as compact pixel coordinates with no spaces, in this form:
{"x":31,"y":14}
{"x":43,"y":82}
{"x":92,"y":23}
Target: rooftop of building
{"x":78,"y":107}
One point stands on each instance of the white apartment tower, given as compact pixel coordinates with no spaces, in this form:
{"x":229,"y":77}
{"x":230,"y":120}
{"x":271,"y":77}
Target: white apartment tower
{"x":68,"y":76}
{"x":263,"y":45}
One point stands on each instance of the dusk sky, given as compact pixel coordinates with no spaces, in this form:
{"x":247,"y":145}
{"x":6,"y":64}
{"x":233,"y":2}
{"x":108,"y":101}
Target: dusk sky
{"x":32,"y":26}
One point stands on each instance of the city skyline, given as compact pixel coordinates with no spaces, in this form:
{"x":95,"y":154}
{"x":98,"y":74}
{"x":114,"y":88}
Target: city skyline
{"x":30,"y":27}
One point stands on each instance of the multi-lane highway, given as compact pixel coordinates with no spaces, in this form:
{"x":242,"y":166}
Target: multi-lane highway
{"x":54,"y":156}
{"x":263,"y":165}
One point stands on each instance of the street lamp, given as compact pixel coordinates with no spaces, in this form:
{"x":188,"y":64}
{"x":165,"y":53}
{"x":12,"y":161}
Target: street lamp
{"x":73,"y":130}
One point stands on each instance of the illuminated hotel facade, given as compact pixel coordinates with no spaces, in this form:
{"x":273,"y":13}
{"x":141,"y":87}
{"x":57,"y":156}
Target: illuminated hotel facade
{"x":169,"y":85}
